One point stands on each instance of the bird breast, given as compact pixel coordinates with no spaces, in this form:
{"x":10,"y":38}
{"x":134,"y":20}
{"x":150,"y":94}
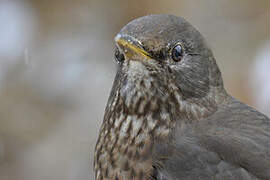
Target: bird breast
{"x":133,"y":120}
{"x":142,"y":110}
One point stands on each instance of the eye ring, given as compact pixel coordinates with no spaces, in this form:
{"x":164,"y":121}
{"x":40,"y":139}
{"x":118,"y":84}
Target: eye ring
{"x":118,"y":56}
{"x":177,"y":52}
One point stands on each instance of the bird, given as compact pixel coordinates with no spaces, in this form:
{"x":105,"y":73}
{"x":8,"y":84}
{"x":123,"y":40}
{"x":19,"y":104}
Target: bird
{"x":169,"y":117}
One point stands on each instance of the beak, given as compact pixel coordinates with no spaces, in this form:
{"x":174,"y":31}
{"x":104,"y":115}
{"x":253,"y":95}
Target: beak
{"x":131,"y":49}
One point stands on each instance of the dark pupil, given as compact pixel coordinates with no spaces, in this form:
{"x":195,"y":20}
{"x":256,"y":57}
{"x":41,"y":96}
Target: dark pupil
{"x":177,"y":53}
{"x":119,"y":57}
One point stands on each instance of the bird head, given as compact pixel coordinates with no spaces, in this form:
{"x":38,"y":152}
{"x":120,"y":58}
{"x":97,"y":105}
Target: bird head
{"x":159,"y":54}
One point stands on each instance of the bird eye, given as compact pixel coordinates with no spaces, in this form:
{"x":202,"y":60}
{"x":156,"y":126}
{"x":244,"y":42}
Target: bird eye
{"x":118,"y":56}
{"x":177,"y":53}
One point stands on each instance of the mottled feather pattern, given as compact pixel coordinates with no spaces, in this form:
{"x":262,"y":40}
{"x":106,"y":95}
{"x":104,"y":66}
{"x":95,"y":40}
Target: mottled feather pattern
{"x":132,"y":124}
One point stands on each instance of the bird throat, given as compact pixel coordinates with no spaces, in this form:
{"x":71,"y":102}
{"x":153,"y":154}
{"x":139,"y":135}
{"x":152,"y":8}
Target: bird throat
{"x":143,"y":109}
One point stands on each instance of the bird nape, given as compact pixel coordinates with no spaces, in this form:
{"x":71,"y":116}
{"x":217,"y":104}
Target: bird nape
{"x":169,"y":117}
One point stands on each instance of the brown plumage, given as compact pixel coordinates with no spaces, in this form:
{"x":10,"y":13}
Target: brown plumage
{"x":169,"y":117}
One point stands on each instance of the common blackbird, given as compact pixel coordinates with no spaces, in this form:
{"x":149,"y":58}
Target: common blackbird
{"x":169,"y":117}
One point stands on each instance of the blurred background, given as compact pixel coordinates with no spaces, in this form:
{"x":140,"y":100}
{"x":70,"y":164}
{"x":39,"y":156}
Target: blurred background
{"x":57,"y":68}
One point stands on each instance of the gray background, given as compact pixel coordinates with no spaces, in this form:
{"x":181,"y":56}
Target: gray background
{"x":56,"y":71}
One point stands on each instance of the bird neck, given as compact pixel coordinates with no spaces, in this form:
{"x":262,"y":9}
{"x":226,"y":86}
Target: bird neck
{"x":137,"y":115}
